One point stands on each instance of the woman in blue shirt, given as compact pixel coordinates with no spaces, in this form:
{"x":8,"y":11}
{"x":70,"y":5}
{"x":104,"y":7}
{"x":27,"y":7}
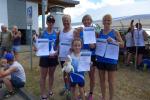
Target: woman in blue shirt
{"x":106,"y":65}
{"x":48,"y":63}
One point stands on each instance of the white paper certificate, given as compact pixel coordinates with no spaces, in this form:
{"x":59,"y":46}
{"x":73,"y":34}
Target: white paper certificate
{"x":89,"y":35}
{"x":42,"y":46}
{"x":101,"y":47}
{"x":64,"y":49}
{"x":112,"y":51}
{"x":85,"y":61}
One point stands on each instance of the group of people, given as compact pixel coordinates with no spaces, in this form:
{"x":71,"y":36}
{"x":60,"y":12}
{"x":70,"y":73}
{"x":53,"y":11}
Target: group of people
{"x":135,"y":43}
{"x":10,"y":41}
{"x":75,"y":38}
{"x":12,"y":73}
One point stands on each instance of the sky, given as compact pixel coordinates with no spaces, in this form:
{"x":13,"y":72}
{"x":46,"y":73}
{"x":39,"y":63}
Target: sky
{"x":98,"y":8}
{"x":117,"y":8}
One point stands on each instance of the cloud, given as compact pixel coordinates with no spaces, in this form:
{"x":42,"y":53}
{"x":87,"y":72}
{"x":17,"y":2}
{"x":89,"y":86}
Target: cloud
{"x":117,"y":8}
{"x":84,"y":6}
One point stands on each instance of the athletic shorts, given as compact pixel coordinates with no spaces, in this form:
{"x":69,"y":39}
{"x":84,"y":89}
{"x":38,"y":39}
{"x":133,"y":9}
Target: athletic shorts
{"x":48,"y":61}
{"x":106,"y":66}
{"x":80,"y":84}
{"x":131,"y":49}
{"x":141,"y":49}
{"x":93,"y":59}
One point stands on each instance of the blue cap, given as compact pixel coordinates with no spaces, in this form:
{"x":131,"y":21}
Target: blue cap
{"x":9,"y":56}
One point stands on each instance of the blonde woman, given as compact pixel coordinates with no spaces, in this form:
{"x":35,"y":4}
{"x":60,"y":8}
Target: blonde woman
{"x":106,"y":65}
{"x":65,"y":39}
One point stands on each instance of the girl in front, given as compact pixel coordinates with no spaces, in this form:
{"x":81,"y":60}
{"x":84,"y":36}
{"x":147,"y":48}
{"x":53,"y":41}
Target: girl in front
{"x":76,"y":78}
{"x":106,"y":65}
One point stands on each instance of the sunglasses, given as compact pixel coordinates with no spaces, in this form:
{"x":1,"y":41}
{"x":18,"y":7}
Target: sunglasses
{"x":51,"y":20}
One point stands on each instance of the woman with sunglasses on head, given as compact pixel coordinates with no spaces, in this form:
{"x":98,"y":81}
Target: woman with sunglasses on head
{"x":106,"y":65}
{"x":48,"y":63}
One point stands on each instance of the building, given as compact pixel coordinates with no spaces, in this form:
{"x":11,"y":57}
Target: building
{"x":14,"y":12}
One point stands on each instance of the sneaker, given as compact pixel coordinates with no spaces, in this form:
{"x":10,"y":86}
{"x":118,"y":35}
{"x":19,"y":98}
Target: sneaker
{"x":43,"y":98}
{"x":68,"y":95}
{"x":90,"y":97}
{"x":63,"y":92}
{"x":51,"y":94}
{"x":9,"y":94}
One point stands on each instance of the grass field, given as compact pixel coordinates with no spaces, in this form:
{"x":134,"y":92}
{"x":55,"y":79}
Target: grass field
{"x":130,"y":83}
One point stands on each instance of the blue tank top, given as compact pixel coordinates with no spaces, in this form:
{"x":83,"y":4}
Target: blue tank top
{"x":86,"y":46}
{"x":51,"y":37}
{"x":105,"y":36}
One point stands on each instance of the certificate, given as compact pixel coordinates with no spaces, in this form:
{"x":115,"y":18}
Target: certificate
{"x":89,"y":35}
{"x":112,"y":51}
{"x":85,"y":61}
{"x":64,"y":49}
{"x":42,"y":46}
{"x":101,"y":47}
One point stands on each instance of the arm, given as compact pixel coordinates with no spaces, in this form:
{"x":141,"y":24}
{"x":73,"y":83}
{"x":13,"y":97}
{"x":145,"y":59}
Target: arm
{"x":57,"y":41}
{"x":145,"y":35}
{"x":119,"y":39}
{"x":7,"y":72}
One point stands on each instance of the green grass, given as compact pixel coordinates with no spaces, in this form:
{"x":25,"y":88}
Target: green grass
{"x":130,"y":84}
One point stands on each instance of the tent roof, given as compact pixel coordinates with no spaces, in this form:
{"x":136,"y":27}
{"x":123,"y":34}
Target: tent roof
{"x":64,"y":3}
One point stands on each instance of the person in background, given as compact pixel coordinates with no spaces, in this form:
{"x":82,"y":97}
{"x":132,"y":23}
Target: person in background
{"x":139,"y":40}
{"x":16,"y":34}
{"x":129,"y":43}
{"x":5,"y":40}
{"x":87,"y":22}
{"x":48,"y":63}
{"x":14,"y":76}
{"x":106,"y":65}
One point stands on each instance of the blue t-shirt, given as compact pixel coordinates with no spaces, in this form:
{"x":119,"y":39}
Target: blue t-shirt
{"x":51,"y":37}
{"x":105,"y":36}
{"x":86,"y":46}
{"x":76,"y":76}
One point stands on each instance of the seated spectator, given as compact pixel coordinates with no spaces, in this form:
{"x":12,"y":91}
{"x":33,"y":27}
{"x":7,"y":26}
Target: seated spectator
{"x":17,"y":77}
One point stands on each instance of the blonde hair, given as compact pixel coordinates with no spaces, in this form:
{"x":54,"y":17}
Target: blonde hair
{"x":87,"y":16}
{"x":107,"y":16}
{"x":66,"y":16}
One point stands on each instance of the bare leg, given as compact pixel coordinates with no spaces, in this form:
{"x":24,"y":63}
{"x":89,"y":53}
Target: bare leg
{"x":139,"y":59}
{"x":43,"y":74}
{"x":128,"y":58}
{"x":51,"y":77}
{"x":102,"y":83}
{"x":111,"y":79}
{"x":8,"y":84}
{"x":92,"y":78}
{"x":74,"y":95}
{"x":81,"y":89}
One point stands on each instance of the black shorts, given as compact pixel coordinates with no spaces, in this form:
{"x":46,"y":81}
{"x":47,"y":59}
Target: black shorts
{"x":62,"y":63}
{"x":141,"y":49}
{"x":106,"y":66}
{"x":80,"y":84}
{"x":48,"y":62}
{"x":131,"y":49}
{"x":93,"y":59}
